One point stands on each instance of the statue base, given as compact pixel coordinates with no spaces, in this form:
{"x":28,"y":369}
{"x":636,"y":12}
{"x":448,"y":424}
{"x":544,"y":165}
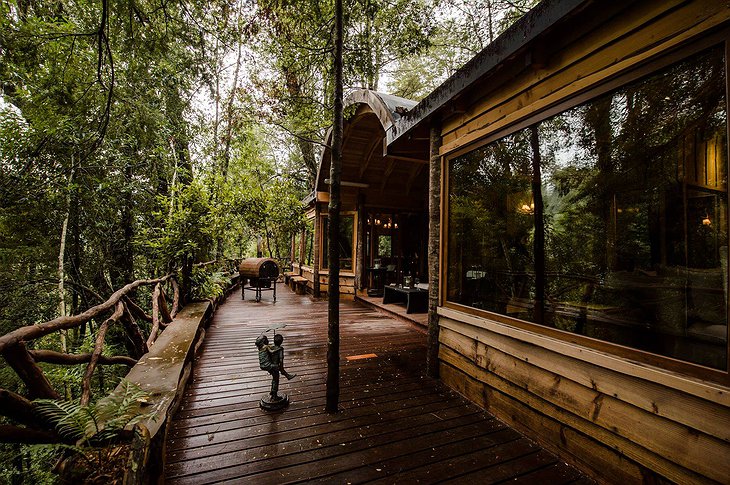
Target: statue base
{"x":268,"y":403}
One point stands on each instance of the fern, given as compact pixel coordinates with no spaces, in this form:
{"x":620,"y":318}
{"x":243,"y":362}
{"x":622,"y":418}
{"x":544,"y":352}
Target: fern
{"x":120,"y":410}
{"x":64,"y":416}
{"x":97,"y":422}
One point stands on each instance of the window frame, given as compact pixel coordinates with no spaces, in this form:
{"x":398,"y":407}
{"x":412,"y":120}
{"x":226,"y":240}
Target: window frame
{"x":645,"y":69}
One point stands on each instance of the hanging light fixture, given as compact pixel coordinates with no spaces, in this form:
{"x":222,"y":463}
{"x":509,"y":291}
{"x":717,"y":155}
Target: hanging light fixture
{"x":706,"y":221}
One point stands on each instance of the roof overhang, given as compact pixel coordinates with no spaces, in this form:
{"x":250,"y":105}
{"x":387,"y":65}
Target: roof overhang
{"x":543,"y":17}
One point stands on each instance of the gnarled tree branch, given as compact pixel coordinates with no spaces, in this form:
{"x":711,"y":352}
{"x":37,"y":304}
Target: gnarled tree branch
{"x":98,"y":347}
{"x":31,"y":332}
{"x":17,"y":408}
{"x":53,"y":357}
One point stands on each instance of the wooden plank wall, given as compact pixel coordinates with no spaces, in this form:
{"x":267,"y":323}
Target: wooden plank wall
{"x":617,"y":425}
{"x":347,"y":283}
{"x":624,"y":428}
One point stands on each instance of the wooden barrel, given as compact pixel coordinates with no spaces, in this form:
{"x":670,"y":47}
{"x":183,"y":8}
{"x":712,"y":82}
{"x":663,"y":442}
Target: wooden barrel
{"x":255,"y":268}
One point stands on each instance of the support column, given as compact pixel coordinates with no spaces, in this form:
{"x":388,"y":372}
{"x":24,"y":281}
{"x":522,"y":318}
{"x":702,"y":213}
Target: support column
{"x":434,"y":228}
{"x":360,"y":248}
{"x":316,"y":292}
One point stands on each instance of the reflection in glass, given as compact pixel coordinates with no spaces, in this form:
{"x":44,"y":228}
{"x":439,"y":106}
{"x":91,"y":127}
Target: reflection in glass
{"x":345,"y":242}
{"x":633,"y":209}
{"x":309,"y":242}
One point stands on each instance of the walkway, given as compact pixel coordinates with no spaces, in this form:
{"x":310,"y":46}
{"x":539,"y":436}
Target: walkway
{"x":396,"y":426}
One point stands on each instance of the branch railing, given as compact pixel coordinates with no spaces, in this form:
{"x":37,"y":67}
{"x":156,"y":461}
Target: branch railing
{"x":119,"y":307}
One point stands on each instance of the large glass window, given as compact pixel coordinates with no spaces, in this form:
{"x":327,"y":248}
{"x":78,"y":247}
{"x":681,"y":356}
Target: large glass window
{"x":347,"y":225}
{"x":608,"y":220}
{"x":309,"y":243}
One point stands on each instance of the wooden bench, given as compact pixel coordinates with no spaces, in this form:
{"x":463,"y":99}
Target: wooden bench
{"x":288,"y":275}
{"x":298,"y":284}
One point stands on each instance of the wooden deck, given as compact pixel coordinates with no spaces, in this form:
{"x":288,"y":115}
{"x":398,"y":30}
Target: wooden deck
{"x":395,"y":425}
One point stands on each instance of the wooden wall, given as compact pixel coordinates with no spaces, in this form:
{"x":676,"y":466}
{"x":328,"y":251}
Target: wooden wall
{"x":625,"y":421}
{"x":622,"y":428}
{"x":347,"y":282}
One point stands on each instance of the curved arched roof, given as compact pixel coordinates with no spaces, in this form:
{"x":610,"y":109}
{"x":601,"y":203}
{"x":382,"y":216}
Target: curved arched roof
{"x":387,"y":107}
{"x":375,"y":114}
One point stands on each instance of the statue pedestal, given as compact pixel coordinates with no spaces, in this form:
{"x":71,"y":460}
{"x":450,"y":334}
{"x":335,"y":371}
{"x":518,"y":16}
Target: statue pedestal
{"x":268,"y":403}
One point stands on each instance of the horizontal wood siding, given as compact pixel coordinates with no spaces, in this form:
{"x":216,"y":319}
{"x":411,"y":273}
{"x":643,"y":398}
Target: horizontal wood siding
{"x":619,"y":424}
{"x":347,"y":283}
{"x":624,"y":41}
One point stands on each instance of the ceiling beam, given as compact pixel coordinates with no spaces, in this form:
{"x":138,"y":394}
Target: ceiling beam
{"x":415,"y":171}
{"x":370,"y":152}
{"x":407,"y":159}
{"x":388,"y":170}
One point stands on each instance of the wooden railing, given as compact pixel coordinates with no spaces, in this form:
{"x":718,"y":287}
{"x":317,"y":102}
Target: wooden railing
{"x":159,"y":361}
{"x":14,"y":347}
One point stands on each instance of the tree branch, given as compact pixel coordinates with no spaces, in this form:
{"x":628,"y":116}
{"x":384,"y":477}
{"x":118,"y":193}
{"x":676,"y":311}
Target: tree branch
{"x":135,"y":310}
{"x":17,"y":434}
{"x":53,"y":357}
{"x":18,"y":357}
{"x":17,"y":408}
{"x":134,"y":334}
{"x":31,"y":332}
{"x":98,"y":347}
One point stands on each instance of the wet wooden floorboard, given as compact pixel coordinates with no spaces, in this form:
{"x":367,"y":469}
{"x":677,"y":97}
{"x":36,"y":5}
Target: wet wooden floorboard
{"x":395,"y":425}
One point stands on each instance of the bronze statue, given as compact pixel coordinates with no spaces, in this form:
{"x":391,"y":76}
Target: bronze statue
{"x":271,"y":359}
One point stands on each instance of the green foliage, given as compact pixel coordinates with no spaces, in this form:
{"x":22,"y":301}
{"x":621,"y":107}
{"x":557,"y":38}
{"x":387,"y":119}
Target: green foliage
{"x":95,"y":423}
{"x":464,"y":28}
{"x":183,"y":227}
{"x":208,"y":284}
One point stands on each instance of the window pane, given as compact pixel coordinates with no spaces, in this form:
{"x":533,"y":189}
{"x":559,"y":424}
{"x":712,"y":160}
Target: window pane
{"x":634,"y":208}
{"x":491,"y":228}
{"x":308,"y":242}
{"x":345,"y":242}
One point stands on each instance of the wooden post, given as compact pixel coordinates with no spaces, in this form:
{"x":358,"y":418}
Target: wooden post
{"x":360,"y":249}
{"x":316,"y":247}
{"x":434,"y":227}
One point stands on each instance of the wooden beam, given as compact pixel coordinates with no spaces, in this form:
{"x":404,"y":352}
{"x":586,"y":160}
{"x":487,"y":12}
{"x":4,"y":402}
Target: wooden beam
{"x":388,"y":170}
{"x":369,"y":156}
{"x":415,"y":171}
{"x":407,"y":159}
{"x":345,"y":183}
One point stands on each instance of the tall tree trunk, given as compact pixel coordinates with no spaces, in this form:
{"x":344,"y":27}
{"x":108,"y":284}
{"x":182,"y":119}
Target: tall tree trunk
{"x":434,"y":228}
{"x":226,"y":158}
{"x":63,"y":334}
{"x":294,"y":87}
{"x":539,"y":242}
{"x":333,"y":288}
